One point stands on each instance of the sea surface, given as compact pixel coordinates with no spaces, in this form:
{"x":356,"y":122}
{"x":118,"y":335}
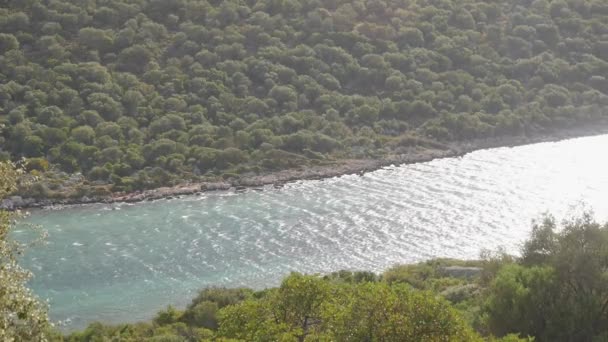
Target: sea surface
{"x":124,"y":262}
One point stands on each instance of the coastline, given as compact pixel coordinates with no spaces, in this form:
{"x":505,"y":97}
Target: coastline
{"x":341,"y":167}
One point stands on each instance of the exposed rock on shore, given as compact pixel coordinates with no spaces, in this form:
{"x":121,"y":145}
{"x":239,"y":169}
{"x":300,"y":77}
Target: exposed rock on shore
{"x":277,"y":179}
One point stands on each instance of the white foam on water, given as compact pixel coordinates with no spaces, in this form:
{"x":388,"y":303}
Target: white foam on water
{"x":451,"y":207}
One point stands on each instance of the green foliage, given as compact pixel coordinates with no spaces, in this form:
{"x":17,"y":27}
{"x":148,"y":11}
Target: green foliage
{"x":561,"y":292}
{"x":347,"y":306}
{"x":414,"y":275}
{"x":380,"y":312}
{"x":167,"y":316}
{"x":203,"y":310}
{"x":199,"y":88}
{"x":521,"y":299}
{"x":310,"y":308}
{"x":558,"y":291}
{"x":22,"y":316}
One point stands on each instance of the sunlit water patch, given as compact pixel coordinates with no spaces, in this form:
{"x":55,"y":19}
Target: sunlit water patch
{"x":113,"y":265}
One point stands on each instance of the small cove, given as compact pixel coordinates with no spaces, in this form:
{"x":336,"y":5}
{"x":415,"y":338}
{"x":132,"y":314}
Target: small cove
{"x":124,"y":262}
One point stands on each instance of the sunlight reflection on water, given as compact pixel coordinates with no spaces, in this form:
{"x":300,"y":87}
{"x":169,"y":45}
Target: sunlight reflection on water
{"x":124,"y":265}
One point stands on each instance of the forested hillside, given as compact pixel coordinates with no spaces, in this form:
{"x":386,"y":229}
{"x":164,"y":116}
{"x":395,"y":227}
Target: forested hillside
{"x":141,"y":93}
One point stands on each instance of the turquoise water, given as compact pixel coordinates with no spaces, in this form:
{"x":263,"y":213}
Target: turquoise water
{"x":116,"y":263}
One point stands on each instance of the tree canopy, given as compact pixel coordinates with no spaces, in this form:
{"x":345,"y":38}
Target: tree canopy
{"x":142,"y":93}
{"x":558,"y":291}
{"x":22,"y":316}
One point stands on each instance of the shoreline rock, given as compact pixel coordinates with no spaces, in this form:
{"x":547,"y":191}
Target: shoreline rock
{"x":278,"y":179}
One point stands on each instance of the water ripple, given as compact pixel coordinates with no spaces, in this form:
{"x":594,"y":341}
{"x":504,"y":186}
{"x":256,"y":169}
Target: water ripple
{"x":124,"y":265}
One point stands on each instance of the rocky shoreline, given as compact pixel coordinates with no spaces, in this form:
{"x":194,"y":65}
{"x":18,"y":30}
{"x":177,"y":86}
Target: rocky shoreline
{"x":341,"y":167}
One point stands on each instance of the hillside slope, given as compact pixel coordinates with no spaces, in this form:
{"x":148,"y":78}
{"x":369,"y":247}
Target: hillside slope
{"x":142,"y":93}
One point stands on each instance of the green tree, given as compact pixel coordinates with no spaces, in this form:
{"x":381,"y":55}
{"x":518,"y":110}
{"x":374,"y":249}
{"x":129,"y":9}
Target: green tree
{"x":8,"y":42}
{"x":105,"y":105}
{"x":95,"y":39}
{"x":269,"y":76}
{"x":559,"y":291}
{"x":83,"y":134}
{"x":291,"y":312}
{"x":522,"y":300}
{"x":22,"y":316}
{"x":134,"y":59}
{"x":379,"y":312}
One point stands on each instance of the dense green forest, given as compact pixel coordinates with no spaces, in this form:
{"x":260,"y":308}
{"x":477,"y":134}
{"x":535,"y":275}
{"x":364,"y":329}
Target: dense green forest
{"x":556,"y":291}
{"x":143,"y":93}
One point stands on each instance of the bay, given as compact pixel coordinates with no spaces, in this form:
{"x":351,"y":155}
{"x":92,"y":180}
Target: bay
{"x":123,"y":262}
